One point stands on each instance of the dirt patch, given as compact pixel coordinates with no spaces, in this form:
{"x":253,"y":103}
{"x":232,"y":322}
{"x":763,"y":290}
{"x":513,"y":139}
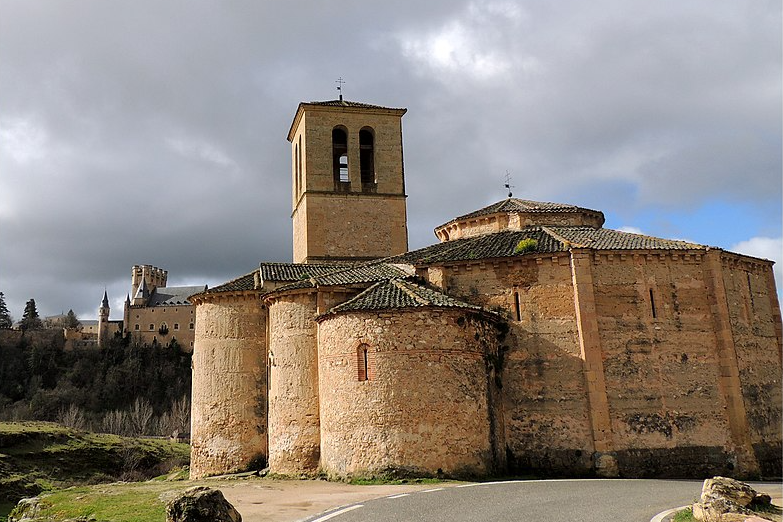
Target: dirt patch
{"x":290,"y":500}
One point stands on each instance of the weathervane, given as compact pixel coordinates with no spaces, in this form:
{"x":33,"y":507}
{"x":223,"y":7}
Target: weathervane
{"x":508,"y":184}
{"x":340,"y":83}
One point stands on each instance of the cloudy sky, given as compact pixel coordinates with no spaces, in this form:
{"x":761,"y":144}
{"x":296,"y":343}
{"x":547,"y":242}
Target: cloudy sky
{"x":151,"y":132}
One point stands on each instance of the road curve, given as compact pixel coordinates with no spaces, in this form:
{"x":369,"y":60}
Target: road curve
{"x":570,"y":500}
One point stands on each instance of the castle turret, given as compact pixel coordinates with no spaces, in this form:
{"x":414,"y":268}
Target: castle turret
{"x":153,"y":276}
{"x":126,"y":314}
{"x":103,"y":321}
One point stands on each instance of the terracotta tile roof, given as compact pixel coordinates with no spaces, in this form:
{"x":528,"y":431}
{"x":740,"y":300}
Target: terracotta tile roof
{"x":294,"y":271}
{"x":398,"y":293}
{"x":365,"y":273}
{"x":608,"y":239}
{"x":523,"y":205}
{"x":549,"y":239}
{"x":500,"y":244}
{"x":240,"y":284}
{"x":346,"y":103}
{"x":370,"y":272}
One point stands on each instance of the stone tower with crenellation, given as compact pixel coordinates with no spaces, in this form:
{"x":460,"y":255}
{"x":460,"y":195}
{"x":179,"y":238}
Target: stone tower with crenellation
{"x":348,"y":184}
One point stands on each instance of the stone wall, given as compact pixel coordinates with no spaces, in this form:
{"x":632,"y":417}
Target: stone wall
{"x":615,"y":359}
{"x":657,"y":341}
{"x":294,"y":426}
{"x":55,"y":337}
{"x":489,"y":224}
{"x":755,"y":324}
{"x":229,"y":399}
{"x":547,"y":426}
{"x":427,"y":406}
{"x":341,"y":226}
{"x":144,"y":324}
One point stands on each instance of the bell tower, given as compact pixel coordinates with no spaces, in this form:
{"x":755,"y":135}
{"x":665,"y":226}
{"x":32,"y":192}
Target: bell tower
{"x":348,"y":182}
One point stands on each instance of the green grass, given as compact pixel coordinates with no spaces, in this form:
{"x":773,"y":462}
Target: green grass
{"x":686,"y":515}
{"x":379,"y":481}
{"x":38,"y":457}
{"x":131,"y":502}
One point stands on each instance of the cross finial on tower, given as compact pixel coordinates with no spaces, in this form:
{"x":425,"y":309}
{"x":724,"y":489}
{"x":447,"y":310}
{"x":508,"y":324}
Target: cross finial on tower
{"x":340,"y":83}
{"x":508,"y":184}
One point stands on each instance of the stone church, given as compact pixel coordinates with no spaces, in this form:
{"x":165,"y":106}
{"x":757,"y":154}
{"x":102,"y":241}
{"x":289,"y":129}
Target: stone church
{"x":529,"y":339}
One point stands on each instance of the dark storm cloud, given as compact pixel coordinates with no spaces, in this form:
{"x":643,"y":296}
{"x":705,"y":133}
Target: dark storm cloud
{"x":154,"y":132}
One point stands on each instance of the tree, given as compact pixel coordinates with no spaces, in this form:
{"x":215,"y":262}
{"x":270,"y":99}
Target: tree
{"x":71,"y":321}
{"x":30,"y":318}
{"x":6,"y":321}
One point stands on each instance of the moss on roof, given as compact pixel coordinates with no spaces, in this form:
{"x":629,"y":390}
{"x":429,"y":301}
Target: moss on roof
{"x":549,"y":239}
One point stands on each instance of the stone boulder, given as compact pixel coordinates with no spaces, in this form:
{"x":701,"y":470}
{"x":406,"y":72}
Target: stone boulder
{"x":201,"y":504}
{"x":723,"y":497}
{"x":26,"y":509}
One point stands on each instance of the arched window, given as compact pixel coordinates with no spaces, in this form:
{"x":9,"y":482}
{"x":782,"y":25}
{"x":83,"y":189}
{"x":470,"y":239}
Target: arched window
{"x":367,"y":159}
{"x":342,"y":181}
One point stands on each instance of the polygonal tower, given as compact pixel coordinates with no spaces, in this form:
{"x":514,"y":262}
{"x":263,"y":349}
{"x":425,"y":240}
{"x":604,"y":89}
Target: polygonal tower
{"x":348,"y":183}
{"x":103,"y":320}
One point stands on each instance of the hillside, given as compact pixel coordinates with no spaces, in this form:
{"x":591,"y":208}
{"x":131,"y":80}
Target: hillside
{"x":40,"y":456}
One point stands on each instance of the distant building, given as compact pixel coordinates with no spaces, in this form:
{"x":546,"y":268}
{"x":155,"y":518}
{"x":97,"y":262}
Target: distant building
{"x":156,"y":313}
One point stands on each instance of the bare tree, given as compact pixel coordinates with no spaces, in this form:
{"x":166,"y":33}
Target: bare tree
{"x":116,"y":422}
{"x":73,"y":417}
{"x":140,"y":416}
{"x":180,"y":414}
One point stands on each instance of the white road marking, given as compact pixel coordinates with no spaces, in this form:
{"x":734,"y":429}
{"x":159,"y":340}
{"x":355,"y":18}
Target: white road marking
{"x":468,"y":485}
{"x":399,"y":496}
{"x":431,"y":490}
{"x":338,"y":512}
{"x":660,"y":516}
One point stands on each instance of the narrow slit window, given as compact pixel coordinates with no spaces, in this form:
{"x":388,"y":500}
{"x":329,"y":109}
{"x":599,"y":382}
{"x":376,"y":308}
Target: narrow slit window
{"x":516,"y":306}
{"x":750,"y":294}
{"x":299,"y":183}
{"x":364,"y":362}
{"x":652,"y":304}
{"x":297,"y":166}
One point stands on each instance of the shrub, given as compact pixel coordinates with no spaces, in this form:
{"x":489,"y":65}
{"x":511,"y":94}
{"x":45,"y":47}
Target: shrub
{"x":526,"y":245}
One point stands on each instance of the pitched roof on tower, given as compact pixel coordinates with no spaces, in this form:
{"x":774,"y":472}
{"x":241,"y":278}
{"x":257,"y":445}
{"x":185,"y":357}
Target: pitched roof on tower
{"x":345,"y":104}
{"x":540,"y":240}
{"x":400,"y":294}
{"x":523,"y":205}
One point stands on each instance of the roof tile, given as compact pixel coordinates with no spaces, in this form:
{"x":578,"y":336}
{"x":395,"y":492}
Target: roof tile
{"x":397,"y":294}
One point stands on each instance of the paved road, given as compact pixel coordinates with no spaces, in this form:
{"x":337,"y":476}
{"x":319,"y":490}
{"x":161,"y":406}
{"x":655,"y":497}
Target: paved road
{"x":590,"y":500}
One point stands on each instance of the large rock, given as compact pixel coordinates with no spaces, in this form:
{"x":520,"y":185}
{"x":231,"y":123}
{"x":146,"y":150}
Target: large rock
{"x":721,"y":496}
{"x":201,"y":504}
{"x":26,"y":509}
